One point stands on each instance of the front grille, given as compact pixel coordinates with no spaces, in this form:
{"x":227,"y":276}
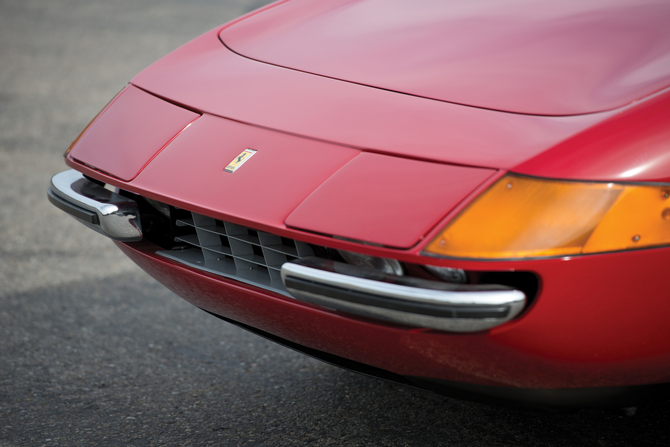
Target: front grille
{"x":255,"y":257}
{"x":234,"y":251}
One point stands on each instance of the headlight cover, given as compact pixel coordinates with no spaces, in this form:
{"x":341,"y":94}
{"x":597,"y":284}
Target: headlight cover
{"x":524,"y":217}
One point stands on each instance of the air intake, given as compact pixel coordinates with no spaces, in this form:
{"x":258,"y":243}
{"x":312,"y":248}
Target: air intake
{"x":234,"y":251}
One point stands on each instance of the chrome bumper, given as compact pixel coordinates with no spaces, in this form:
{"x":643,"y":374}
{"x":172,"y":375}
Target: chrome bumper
{"x":409,"y":301}
{"x":102,"y":210}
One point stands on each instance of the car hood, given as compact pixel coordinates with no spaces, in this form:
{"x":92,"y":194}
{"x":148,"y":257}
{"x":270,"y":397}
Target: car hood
{"x":206,"y":76}
{"x":564,"y":57}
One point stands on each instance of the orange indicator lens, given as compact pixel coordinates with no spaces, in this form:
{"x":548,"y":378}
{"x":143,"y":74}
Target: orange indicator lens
{"x":521,"y":217}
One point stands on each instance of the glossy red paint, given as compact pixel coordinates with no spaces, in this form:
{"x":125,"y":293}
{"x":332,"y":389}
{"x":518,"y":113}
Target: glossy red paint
{"x":129,"y":133}
{"x":536,"y":57}
{"x":208,"y":77}
{"x":584,"y":342}
{"x":633,"y":145}
{"x":264,"y":191}
{"x":385,"y":200}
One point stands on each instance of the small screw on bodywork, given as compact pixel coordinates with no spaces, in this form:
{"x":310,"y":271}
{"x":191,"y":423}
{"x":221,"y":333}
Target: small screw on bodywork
{"x":509,"y":186}
{"x":636,"y":238}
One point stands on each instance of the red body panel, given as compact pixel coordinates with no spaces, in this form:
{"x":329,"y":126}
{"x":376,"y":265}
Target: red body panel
{"x":190,"y":171}
{"x":567,"y":339}
{"x":366,"y":201}
{"x":130,"y":132}
{"x":210,"y":78}
{"x":536,"y":57}
{"x":631,"y":146}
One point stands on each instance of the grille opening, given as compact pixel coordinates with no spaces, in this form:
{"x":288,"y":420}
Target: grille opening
{"x":258,"y":251}
{"x":256,"y":257}
{"x":224,"y":241}
{"x":288,"y":242}
{"x":221,"y":247}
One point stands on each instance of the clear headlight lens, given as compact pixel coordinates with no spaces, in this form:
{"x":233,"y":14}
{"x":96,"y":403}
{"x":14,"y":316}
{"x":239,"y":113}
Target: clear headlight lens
{"x":521,"y":217}
{"x":448,"y":274}
{"x":382,"y":265}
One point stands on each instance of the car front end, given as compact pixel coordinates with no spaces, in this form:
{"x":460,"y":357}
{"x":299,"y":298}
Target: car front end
{"x":498,"y":255}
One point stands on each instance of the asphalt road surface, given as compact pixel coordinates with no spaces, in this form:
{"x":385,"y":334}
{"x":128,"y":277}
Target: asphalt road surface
{"x":94,"y":352}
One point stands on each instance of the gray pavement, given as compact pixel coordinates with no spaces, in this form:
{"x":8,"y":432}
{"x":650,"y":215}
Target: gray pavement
{"x":94,"y":352}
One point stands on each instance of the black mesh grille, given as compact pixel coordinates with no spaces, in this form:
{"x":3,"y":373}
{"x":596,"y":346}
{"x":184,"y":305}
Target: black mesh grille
{"x":234,"y":251}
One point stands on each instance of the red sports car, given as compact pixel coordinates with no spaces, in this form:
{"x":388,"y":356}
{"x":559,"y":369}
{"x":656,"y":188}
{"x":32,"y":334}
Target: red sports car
{"x":471,"y":197}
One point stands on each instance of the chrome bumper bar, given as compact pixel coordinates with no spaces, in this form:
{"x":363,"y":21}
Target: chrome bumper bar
{"x":102,"y":210}
{"x":409,"y":301}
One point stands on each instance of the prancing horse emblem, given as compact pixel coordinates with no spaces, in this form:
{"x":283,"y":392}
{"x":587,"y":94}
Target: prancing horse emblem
{"x":239,"y":160}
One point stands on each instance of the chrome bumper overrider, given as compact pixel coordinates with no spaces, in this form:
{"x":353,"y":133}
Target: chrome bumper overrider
{"x":410,"y":301}
{"x":102,"y":210}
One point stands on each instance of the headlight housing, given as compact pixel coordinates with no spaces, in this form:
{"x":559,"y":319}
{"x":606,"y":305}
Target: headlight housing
{"x":524,"y":217}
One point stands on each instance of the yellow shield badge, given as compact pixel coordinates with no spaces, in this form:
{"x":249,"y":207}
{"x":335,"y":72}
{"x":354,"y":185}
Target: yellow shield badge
{"x":239,"y":160}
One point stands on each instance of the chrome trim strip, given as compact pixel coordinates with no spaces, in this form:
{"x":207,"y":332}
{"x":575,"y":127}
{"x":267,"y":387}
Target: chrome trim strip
{"x":102,"y":210}
{"x":409,"y":301}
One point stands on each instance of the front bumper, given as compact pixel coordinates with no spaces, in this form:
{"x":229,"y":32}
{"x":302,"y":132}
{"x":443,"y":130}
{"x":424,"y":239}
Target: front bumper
{"x":362,"y":292}
{"x":409,"y":301}
{"x":566,"y":340}
{"x":100,"y":209}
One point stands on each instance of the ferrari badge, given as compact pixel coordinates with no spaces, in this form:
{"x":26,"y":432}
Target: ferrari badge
{"x":239,"y":160}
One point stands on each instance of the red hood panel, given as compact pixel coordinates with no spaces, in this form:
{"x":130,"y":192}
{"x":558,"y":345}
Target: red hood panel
{"x":206,"y":76}
{"x":527,"y":56}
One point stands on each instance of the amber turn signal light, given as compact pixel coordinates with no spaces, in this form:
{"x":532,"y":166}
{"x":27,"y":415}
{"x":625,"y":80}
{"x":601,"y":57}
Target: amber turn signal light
{"x":523,"y":217}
